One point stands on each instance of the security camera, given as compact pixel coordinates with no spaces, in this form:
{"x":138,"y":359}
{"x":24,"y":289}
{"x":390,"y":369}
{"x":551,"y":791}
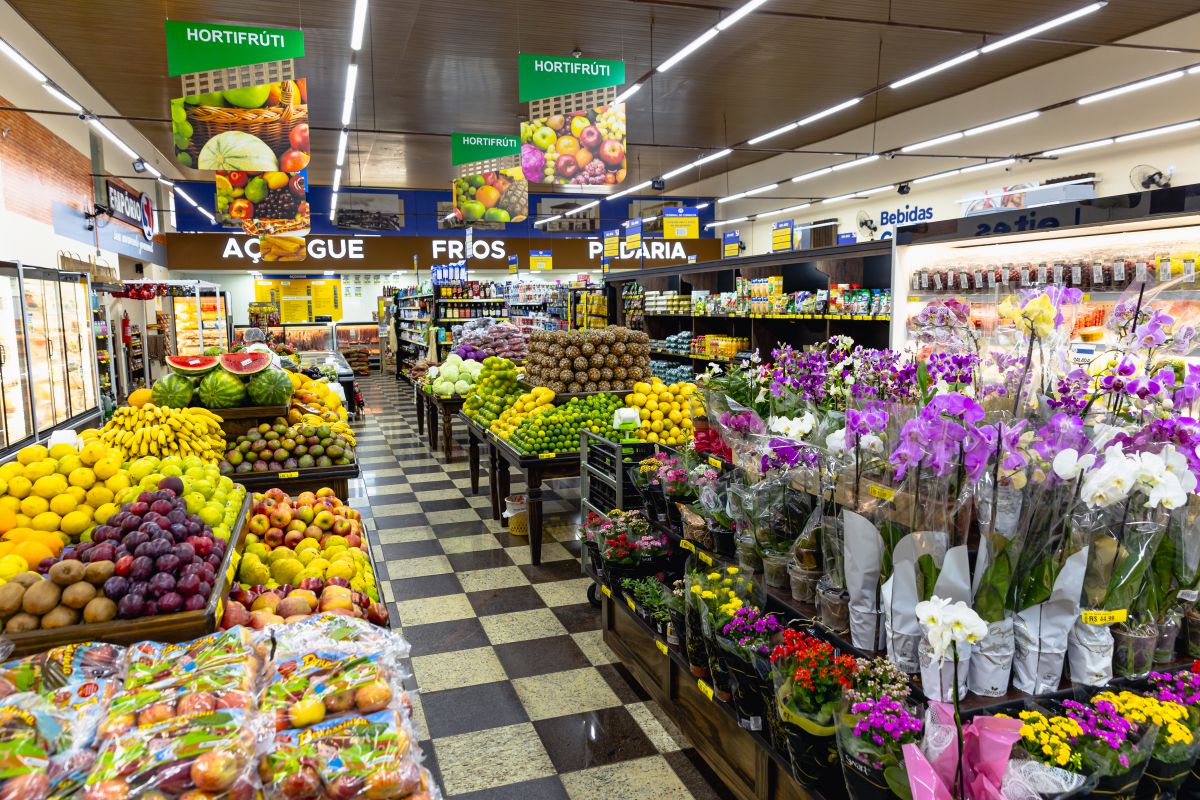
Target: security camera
{"x":889,"y":156}
{"x":577,"y":53}
{"x":904,"y":188}
{"x":658,"y":184}
{"x":139,"y":165}
{"x":98,"y":211}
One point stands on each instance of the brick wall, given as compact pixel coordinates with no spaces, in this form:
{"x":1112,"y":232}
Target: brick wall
{"x":40,"y":168}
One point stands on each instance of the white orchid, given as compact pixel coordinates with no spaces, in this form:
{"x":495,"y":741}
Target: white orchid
{"x":870,"y":443}
{"x":946,"y":624}
{"x":1112,"y":482}
{"x":792,"y":427}
{"x":1069,"y":465}
{"x":836,"y":442}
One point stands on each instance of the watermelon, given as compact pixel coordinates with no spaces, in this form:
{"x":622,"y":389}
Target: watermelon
{"x":172,"y":391}
{"x":192,"y":365}
{"x":270,"y":387}
{"x":245,"y":363}
{"x":219,"y":389}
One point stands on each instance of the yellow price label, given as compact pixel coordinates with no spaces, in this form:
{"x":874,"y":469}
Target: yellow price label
{"x":445,"y":396}
{"x":705,"y":689}
{"x":629,"y":603}
{"x":604,"y":590}
{"x":1104,"y":617}
{"x":714,"y":462}
{"x":882,"y":492}
{"x":547,"y":455}
{"x":288,"y":475}
{"x":220,"y":608}
{"x":662,"y":646}
{"x":686,"y":544}
{"x":705,"y":557}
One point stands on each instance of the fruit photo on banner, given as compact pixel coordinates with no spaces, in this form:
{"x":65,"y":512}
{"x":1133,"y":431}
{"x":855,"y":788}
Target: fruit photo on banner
{"x":583,"y":148}
{"x":498,"y":196}
{"x":263,"y":202}
{"x":261,"y":128}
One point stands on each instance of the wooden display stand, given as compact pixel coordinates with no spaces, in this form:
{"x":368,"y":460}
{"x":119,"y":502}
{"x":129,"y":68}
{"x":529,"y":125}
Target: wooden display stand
{"x":237,"y":421}
{"x":303,"y":480}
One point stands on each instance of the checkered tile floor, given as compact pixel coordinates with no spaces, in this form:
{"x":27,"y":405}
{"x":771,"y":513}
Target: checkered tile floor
{"x":519,"y":696}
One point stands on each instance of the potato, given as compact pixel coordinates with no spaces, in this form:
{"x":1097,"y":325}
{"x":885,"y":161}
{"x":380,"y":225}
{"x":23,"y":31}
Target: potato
{"x":64,"y":573}
{"x":60,"y":617}
{"x":99,"y":609}
{"x":10,"y":598}
{"x":21,"y":623}
{"x":78,"y":595}
{"x":41,"y":598}
{"x":98,"y":572}
{"x":27,"y":579}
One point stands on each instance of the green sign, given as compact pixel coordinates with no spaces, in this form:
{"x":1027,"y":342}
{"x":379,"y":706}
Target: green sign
{"x":554,"y":76}
{"x":201,"y":47}
{"x":467,"y":148}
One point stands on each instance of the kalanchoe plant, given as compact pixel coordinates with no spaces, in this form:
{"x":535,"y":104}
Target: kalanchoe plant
{"x":813,"y":675}
{"x":875,"y":678}
{"x":873,"y":747}
{"x":752,"y":631}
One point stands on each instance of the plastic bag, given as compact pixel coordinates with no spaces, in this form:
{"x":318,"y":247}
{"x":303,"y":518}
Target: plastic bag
{"x":30,"y":733}
{"x":84,"y":661}
{"x":149,"y":663}
{"x":307,"y":689}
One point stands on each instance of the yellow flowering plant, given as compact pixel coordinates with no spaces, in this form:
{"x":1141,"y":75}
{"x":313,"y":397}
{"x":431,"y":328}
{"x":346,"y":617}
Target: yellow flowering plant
{"x":1051,"y":740}
{"x":1175,"y":748}
{"x":721,"y":592}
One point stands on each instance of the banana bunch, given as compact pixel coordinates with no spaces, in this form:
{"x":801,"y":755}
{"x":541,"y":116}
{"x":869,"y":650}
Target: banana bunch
{"x":160,"y":431}
{"x":339,"y":427}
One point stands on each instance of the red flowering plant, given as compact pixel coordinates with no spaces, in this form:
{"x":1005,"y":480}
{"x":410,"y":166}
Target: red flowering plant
{"x":810,"y":678}
{"x":623,"y":536}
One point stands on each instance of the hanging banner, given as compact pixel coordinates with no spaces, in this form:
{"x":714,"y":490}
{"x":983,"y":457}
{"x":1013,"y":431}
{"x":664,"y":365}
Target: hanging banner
{"x":202,"y":47}
{"x":262,"y":128}
{"x":604,"y":263}
{"x":681,"y":223}
{"x":781,"y":235}
{"x":262,"y":203}
{"x":633,"y":234}
{"x":494,"y":196}
{"x":730,"y":244}
{"x":584,"y":148}
{"x":512,"y":263}
{"x":553,"y":76}
{"x":468,"y":148}
{"x":612,"y":243}
{"x":541,"y":259}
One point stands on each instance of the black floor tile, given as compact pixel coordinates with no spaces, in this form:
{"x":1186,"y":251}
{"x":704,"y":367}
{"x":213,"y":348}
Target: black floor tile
{"x":449,"y":504}
{"x":552,"y":654}
{"x":472,"y":708}
{"x":579,"y":617}
{"x":442,"y":637}
{"x":593,"y":739}
{"x":396,"y":552}
{"x":428,"y":586}
{"x":505,"y":601}
{"x":549,"y":788}
{"x":479,"y":559}
{"x":551,"y":571}
{"x":401,"y":521}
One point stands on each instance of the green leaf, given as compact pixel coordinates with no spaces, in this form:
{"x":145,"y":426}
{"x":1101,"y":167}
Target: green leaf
{"x":928,"y":574}
{"x":897,"y":781}
{"x":996,"y":579}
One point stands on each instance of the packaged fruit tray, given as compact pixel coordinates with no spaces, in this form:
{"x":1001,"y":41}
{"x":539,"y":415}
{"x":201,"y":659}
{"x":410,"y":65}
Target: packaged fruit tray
{"x":177,"y":627}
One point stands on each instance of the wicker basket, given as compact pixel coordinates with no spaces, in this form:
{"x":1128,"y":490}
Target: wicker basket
{"x":272,"y":124}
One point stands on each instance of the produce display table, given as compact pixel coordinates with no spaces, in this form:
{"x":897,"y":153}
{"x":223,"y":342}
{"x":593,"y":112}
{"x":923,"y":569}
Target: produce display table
{"x":304,"y":480}
{"x":537,"y":469}
{"x":237,"y":421}
{"x":446,"y":406}
{"x":478,"y":435}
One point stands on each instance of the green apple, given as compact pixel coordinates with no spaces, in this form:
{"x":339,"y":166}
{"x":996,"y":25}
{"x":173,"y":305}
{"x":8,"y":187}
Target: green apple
{"x":247,"y":96}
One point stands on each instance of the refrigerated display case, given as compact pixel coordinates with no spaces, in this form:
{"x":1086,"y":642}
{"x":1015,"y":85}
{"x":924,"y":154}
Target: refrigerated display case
{"x":309,"y":336}
{"x":274,"y":334}
{"x":191,"y":338}
{"x":358,"y":335}
{"x":14,"y":375}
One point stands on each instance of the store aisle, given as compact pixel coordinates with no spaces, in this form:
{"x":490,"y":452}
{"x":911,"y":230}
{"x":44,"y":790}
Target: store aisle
{"x":519,"y":696}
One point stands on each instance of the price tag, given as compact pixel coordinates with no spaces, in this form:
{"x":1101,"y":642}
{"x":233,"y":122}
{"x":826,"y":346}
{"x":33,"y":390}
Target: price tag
{"x":445,"y":396}
{"x":288,"y":475}
{"x":1164,"y":269}
{"x":924,"y":282}
{"x":937,"y":281}
{"x":1188,"y":595}
{"x":220,"y":608}
{"x":662,"y":646}
{"x":1119,"y":270}
{"x":1058,"y":273}
{"x":629,"y":603}
{"x":547,"y":455}
{"x":991,"y":279}
{"x":1098,"y":273}
{"x":963,"y":283}
{"x":1139,"y":271}
{"x":1104,"y":617}
{"x":1076,"y":274}
{"x":604,"y":590}
{"x":1189,"y":270}
{"x":705,"y":689}
{"x":714,"y":462}
{"x":1024,"y":276}
{"x":686,"y":544}
{"x":881,"y":492}
{"x":1041,"y":273}
{"x":979,"y":278}
{"x":705,"y":557}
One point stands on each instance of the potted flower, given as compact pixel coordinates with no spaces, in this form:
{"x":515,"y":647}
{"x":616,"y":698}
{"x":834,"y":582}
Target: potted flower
{"x":871,"y":737}
{"x":721,"y":593}
{"x":673,"y":477}
{"x":1175,"y":747}
{"x":810,"y":678}
{"x":1113,"y":747}
{"x":748,"y":634}
{"x":673,"y":603}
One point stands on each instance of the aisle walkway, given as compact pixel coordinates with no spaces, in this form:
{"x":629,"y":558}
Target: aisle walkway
{"x":519,"y":696}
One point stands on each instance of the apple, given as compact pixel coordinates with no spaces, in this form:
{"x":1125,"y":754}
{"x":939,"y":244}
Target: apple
{"x":273,"y":537}
{"x":241,"y":208}
{"x":292,"y":538}
{"x":293,"y":161}
{"x":268,"y":601}
{"x":332,"y":602}
{"x":302,"y":785}
{"x":307,"y":711}
{"x":266,"y":505}
{"x":296,"y":525}
{"x":115,"y":789}
{"x":353,"y":514}
{"x":293,"y":607}
{"x":353,"y":540}
{"x":308,"y":595}
{"x":215,"y":770}
{"x":612,"y":153}
{"x":325,"y":491}
{"x":261,"y":619}
{"x":313,"y":532}
{"x":275,"y":493}
{"x":233,"y":699}
{"x":339,"y":582}
{"x":303,"y":513}
{"x":155,"y":713}
{"x":259,"y":524}
{"x":235,"y":614}
{"x":590,"y":137}
{"x":197,"y":703}
{"x":378,"y":614}
{"x":324,"y":519}
{"x":313,"y":585}
{"x":114,"y":725}
{"x":306,"y":498}
{"x":566,"y":165}
{"x":281,"y":517}
{"x":341,"y":526}
{"x":237,"y":178}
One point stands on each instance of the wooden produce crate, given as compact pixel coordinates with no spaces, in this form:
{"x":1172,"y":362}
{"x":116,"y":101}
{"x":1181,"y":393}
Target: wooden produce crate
{"x":178,"y":627}
{"x":236,"y":421}
{"x":303,"y":480}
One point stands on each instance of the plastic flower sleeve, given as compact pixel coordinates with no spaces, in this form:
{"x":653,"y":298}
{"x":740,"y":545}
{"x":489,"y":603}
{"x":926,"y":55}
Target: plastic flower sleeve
{"x":1041,"y":630}
{"x":862,"y":549}
{"x":923,"y":565}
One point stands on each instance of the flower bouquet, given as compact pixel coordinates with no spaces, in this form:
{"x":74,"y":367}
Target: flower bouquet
{"x":1175,"y":748}
{"x":748,"y":634}
{"x":645,"y":478}
{"x":1183,"y":689}
{"x":950,"y":631}
{"x":724,"y":593}
{"x":676,"y":486}
{"x":871,"y":736}
{"x":713,"y":499}
{"x":674,"y":600}
{"x":809,"y":678}
{"x":1116,"y":749}
{"x":1048,"y":761}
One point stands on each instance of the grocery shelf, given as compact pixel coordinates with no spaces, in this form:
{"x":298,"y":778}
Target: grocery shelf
{"x":691,"y":356}
{"x":472,"y":300}
{"x":788,"y":317}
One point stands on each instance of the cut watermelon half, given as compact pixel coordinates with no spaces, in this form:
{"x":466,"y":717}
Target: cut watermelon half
{"x":192,"y":365}
{"x":245,"y":363}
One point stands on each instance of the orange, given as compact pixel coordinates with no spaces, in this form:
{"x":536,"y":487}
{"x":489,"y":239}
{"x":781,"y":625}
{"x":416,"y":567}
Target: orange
{"x":8,"y":519}
{"x":567,"y":145}
{"x":488,"y":195}
{"x":584,"y":157}
{"x":139,"y":397}
{"x":33,"y":552}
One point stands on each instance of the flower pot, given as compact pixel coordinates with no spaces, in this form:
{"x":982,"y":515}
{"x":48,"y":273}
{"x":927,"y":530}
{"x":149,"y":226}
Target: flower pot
{"x":747,"y":556}
{"x":656,"y":503}
{"x":697,"y":653}
{"x":804,"y":584}
{"x":1163,"y":779}
{"x":746,"y":687}
{"x":1168,"y":633}
{"x":1193,"y":633}
{"x":812,"y":750}
{"x":1133,"y":651}
{"x":834,"y":605}
{"x":937,"y":676}
{"x":991,"y":660}
{"x":674,"y":518}
{"x":718,"y":668}
{"x":766,"y":690}
{"x":675,"y":631}
{"x":808,"y":558}
{"x":775,"y":570}
{"x":724,"y":540}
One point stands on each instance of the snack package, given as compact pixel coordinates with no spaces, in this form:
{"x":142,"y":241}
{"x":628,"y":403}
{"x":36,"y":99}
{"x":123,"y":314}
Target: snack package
{"x":149,"y":663}
{"x":368,"y":757}
{"x":81,"y":662}
{"x":30,"y":732}
{"x":202,"y":692}
{"x":306,"y":689}
{"x":83,"y":703}
{"x":21,"y":675}
{"x":338,"y":632}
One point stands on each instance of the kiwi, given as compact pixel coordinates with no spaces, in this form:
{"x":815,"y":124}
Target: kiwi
{"x":99,"y":609}
{"x":67,"y":572}
{"x":41,"y":597}
{"x":60,"y":617}
{"x":21,"y":623}
{"x":10,"y":598}
{"x":98,"y":572}
{"x":27,"y":579}
{"x":78,"y":595}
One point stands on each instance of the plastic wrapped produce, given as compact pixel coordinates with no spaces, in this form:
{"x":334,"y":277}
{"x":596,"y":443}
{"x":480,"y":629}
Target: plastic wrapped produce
{"x":485,"y":337}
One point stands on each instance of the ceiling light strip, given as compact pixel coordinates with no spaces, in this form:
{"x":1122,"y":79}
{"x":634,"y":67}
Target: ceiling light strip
{"x":949,"y":137}
{"x":939,"y":176}
{"x":1137,"y":86}
{"x":858,"y":162}
{"x":1043,"y":27}
{"x":343,"y":140}
{"x":547,"y":219}
{"x":721,"y":222}
{"x":791,"y":126}
{"x":104,"y":131}
{"x":630,"y":190}
{"x":1075,"y":148}
{"x":584,"y":207}
{"x":360,"y":24}
{"x":688,"y":49}
{"x":697,"y":163}
{"x":22,"y":62}
{"x":936,"y":68}
{"x":348,"y":102}
{"x":628,"y":93}
{"x":1003,"y":123}
{"x":1133,"y":137}
{"x":814,"y":174}
{"x":61,"y":96}
{"x":788,"y":210}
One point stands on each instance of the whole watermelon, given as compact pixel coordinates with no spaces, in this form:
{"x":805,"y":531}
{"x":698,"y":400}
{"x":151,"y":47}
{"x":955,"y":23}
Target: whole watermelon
{"x":219,"y":389}
{"x":271,"y":387}
{"x":172,"y":391}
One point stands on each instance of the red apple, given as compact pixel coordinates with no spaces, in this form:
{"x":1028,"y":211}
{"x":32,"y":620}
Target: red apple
{"x":612,"y":153}
{"x":215,"y":770}
{"x":378,"y":614}
{"x":293,"y":161}
{"x":323,"y":519}
{"x":292,"y":538}
{"x":266,"y":505}
{"x":279,"y":495}
{"x":325,"y":491}
{"x":258,"y":524}
{"x":313,"y":532}
{"x":235,"y":614}
{"x":341,"y":526}
{"x":273,"y":537}
{"x":313,"y":585}
{"x":267,"y":601}
{"x":308,"y":595}
{"x":590,"y":137}
{"x":281,"y":517}
{"x":298,"y":137}
{"x":306,"y":498}
{"x":353,"y":540}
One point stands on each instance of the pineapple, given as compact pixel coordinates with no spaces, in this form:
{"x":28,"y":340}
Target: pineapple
{"x":515,"y":200}
{"x":580,"y":363}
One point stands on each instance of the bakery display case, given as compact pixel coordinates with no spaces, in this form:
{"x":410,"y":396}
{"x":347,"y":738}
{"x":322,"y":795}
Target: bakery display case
{"x":200,"y":325}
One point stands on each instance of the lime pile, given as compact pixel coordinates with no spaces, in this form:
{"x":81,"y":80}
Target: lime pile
{"x":495,"y":391}
{"x":557,"y":430}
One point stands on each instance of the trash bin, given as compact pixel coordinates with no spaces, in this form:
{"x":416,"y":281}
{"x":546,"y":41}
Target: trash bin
{"x":518,"y":521}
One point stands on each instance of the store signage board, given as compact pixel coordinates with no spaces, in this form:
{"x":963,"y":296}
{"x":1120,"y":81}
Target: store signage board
{"x":731,"y":244}
{"x":612,"y":243}
{"x":302,"y":298}
{"x":605,"y":261}
{"x":633,"y":234}
{"x":543,"y":76}
{"x":847,"y":238}
{"x":132,"y":208}
{"x":681,"y":223}
{"x":781,"y":235}
{"x":512,"y":263}
{"x":203,"y":47}
{"x":69,"y":222}
{"x":541,"y":259}
{"x":468,"y":148}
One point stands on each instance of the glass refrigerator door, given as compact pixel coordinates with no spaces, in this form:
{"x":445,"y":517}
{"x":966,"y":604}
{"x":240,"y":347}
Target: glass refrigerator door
{"x":44,"y":319}
{"x":187,"y":327}
{"x":14,"y":376}
{"x":78,"y":341}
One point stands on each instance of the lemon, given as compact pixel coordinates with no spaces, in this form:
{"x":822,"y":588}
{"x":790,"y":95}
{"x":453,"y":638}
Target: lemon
{"x":62,"y":449}
{"x":106,"y":468}
{"x":11,"y":470}
{"x":644,"y":413}
{"x":99,"y":495}
{"x":76,"y":523}
{"x":685,"y":423}
{"x":33,"y":505}
{"x":117,"y":483}
{"x":656,"y":416}
{"x":19,"y":486}
{"x":32,"y":453}
{"x":675,"y":416}
{"x":40,"y":469}
{"x":22,"y":522}
{"x":10,"y":502}
{"x":82,"y":477}
{"x":652,"y":436}
{"x":92,"y":453}
{"x":49,"y":486}
{"x":3,"y":487}
{"x":67,"y":464}
{"x":656,"y":426}
{"x":62,"y":505}
{"x":46,"y":521}
{"x":105,"y":511}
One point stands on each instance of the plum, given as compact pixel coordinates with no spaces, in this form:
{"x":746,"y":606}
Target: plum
{"x":170,"y":602}
{"x":161,"y":584}
{"x":116,"y":587}
{"x":142,"y":568}
{"x":169,"y":562}
{"x":131,"y":606}
{"x":195,"y":602}
{"x":188,"y":585}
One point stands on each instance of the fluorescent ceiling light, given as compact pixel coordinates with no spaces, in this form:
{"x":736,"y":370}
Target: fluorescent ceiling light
{"x":856,"y":162}
{"x":741,"y":12}
{"x":360,"y":23}
{"x":167,"y":183}
{"x":186,"y":197}
{"x":337,"y":179}
{"x":624,"y":192}
{"x":939,"y":176}
{"x":814,"y":174}
{"x":628,"y":93}
{"x":761,"y":189}
{"x":348,"y":103}
{"x":877,"y":190}
{"x":1058,"y":151}
{"x":840,"y":198}
{"x":584,"y":207}
{"x":1043,"y":27}
{"x":688,"y":49}
{"x":1130,"y":87}
{"x":791,"y":126}
{"x":949,"y":137}
{"x":989,"y":165}
{"x":737,"y":196}
{"x":936,"y":68}
{"x":1194,"y":70}
{"x":698,"y":162}
{"x":816,"y":225}
{"x":827,"y":112}
{"x":61,"y":96}
{"x":21,"y":61}
{"x":721,"y":222}
{"x":703,"y":206}
{"x":788,"y":210}
{"x":112,"y":137}
{"x":343,"y":140}
{"x":548,"y":219}
{"x":1004,"y":123}
{"x":206,"y":213}
{"x":151,"y":169}
{"x":1182,"y":126}
{"x":650,"y":219}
